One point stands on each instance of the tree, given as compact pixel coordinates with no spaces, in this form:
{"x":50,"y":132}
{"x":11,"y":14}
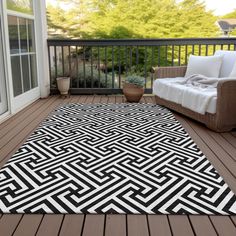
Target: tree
{"x":133,"y":19}
{"x":230,"y":15}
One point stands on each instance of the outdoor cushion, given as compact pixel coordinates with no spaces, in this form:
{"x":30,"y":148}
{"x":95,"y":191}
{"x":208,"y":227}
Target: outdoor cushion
{"x":233,"y":72}
{"x":208,"y":66}
{"x":168,"y":89}
{"x":229,"y":60}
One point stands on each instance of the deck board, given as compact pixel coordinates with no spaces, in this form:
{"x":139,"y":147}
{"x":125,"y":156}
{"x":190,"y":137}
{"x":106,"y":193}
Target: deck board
{"x":115,"y":225}
{"x":180,"y":225}
{"x":28,"y":225}
{"x":72,"y":225}
{"x":9,"y":223}
{"x":94,"y":225}
{"x":137,"y":225}
{"x":202,"y":226}
{"x":219,"y":149}
{"x":159,"y":224}
{"x":50,"y":225}
{"x":223,"y":225}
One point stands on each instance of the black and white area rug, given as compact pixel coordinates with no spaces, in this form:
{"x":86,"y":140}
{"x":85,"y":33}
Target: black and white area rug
{"x":112,"y":158}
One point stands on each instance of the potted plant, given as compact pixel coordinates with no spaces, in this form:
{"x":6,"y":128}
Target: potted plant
{"x":133,"y":88}
{"x":63,"y":85}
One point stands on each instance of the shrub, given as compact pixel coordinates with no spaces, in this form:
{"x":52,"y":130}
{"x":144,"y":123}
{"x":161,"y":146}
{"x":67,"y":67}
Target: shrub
{"x":135,"y":79}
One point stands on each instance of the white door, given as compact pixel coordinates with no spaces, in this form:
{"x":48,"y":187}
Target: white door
{"x":22,"y":50}
{"x":3,"y":89}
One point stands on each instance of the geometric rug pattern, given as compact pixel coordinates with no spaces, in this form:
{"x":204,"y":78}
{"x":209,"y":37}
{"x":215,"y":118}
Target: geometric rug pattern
{"x":112,"y":158}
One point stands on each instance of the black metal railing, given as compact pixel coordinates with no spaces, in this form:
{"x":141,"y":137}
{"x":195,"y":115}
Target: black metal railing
{"x":100,"y":66}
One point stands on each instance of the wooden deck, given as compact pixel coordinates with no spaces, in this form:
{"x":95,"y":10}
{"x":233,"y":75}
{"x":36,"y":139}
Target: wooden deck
{"x":220,"y":149}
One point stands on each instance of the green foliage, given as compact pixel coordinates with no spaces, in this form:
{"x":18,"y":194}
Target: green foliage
{"x":133,"y":19}
{"x":231,"y":15}
{"x":135,"y":79}
{"x":122,"y":19}
{"x":23,"y":6}
{"x":91,"y":77}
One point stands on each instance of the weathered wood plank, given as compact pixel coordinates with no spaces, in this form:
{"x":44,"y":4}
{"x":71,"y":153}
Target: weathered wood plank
{"x":9,"y":223}
{"x":72,"y":225}
{"x":50,"y":225}
{"x":97,"y":99}
{"x":226,"y":146}
{"x":89,"y":99}
{"x":119,"y":99}
{"x":159,"y":225}
{"x":28,"y":225}
{"x":223,"y":225}
{"x":115,"y":225}
{"x":202,"y":225}
{"x":10,"y":133}
{"x":111,"y":99}
{"x":180,"y":225}
{"x":233,"y":218}
{"x":94,"y":225}
{"x":22,"y":112}
{"x":8,"y":150}
{"x":148,"y":99}
{"x":230,"y":138}
{"x":137,"y":225}
{"x":83,"y":98}
{"x":19,"y":118}
{"x":104,"y":99}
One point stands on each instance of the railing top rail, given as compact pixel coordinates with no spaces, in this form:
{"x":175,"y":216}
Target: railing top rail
{"x":141,"y":42}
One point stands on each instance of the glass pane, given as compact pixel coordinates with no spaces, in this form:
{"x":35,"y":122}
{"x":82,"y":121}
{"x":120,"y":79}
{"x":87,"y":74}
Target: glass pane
{"x":31,"y":36}
{"x":34,"y":80}
{"x":3,"y":91}
{"x":25,"y":72}
{"x":23,"y":35}
{"x":16,"y":75}
{"x":13,"y":34}
{"x":23,"y":6}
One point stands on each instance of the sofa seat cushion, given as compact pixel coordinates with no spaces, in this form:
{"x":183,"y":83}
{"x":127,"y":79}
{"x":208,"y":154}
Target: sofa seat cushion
{"x":169,"y":90}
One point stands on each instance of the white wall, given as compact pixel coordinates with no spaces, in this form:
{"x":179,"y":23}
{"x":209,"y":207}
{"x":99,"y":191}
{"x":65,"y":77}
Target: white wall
{"x":42,"y":49}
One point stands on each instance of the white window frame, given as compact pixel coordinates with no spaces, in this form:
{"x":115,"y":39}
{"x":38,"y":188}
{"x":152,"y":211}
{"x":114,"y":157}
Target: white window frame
{"x":19,"y":102}
{"x":7,"y":113}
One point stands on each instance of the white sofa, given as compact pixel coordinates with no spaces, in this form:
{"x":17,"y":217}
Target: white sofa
{"x":219,"y":112}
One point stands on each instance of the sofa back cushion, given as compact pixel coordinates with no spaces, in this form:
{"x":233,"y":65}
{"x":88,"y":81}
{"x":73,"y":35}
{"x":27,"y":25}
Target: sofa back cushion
{"x":229,"y":60}
{"x":208,"y":66}
{"x":233,"y":72}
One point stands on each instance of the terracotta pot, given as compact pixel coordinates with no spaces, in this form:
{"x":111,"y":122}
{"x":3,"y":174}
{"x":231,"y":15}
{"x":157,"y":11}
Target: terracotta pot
{"x":63,"y":85}
{"x":132,"y":92}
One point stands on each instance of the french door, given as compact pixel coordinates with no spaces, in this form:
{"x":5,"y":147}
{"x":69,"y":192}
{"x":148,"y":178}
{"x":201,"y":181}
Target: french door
{"x":3,"y":88}
{"x":22,"y":55}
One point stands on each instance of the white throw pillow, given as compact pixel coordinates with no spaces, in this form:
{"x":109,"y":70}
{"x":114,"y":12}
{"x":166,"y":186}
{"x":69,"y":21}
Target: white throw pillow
{"x":208,"y":66}
{"x":228,"y":62}
{"x":233,"y":72}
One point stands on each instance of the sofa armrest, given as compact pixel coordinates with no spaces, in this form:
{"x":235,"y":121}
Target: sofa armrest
{"x":169,"y":71}
{"x":226,"y":102}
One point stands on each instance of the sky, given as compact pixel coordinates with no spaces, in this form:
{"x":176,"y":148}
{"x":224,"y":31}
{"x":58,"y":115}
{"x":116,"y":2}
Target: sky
{"x":219,"y":7}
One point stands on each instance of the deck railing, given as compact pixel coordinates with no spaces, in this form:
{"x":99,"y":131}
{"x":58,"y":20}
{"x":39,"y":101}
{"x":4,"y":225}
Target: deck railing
{"x":100,"y":66}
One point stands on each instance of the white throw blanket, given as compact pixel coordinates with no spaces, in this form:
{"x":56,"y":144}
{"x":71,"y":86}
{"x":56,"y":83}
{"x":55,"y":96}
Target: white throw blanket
{"x":200,"y":81}
{"x":198,"y":92}
{"x":195,"y":92}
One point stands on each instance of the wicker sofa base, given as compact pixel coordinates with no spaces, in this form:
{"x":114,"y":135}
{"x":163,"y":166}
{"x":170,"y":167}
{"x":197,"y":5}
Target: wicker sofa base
{"x":210,"y":120}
